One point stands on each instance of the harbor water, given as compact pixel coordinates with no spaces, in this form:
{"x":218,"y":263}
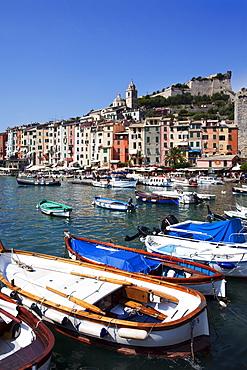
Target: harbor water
{"x":24,"y":227}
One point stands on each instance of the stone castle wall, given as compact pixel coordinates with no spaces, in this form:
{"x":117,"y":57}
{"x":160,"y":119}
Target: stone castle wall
{"x":200,"y":86}
{"x":240,"y":117}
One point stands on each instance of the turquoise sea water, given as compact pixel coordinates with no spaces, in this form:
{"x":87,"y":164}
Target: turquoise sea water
{"x":24,"y":227}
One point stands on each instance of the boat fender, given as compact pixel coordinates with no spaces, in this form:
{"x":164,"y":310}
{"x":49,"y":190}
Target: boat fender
{"x":11,"y":293}
{"x":103,"y":333}
{"x":36,"y":309}
{"x":92,"y":330}
{"x":226,"y":265}
{"x":132,"y":334}
{"x":16,"y":330}
{"x":56,"y":317}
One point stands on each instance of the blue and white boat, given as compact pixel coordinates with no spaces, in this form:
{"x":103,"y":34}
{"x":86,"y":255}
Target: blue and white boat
{"x":129,"y":261}
{"x":221,"y":245}
{"x":114,"y":204}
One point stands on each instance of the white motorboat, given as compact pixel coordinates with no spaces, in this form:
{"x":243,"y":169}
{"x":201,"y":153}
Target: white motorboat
{"x":221,"y":245}
{"x":209,"y":180}
{"x":225,"y":259}
{"x":158,"y":181}
{"x":122,"y":181}
{"x":238,"y":212}
{"x":101,"y":183}
{"x":184,"y":197}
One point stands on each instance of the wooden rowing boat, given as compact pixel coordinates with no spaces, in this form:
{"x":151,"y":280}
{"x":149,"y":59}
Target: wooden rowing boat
{"x":38,"y":182}
{"x":54,"y":209}
{"x":25,"y":341}
{"x":114,"y":204}
{"x":156,"y":198}
{"x":88,"y":302}
{"x":128,"y":261}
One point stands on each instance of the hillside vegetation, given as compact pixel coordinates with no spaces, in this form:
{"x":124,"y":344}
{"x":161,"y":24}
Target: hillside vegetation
{"x":184,"y":106}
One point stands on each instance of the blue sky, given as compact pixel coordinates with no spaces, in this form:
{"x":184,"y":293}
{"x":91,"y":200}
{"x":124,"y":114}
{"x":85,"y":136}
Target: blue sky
{"x":62,"y":58}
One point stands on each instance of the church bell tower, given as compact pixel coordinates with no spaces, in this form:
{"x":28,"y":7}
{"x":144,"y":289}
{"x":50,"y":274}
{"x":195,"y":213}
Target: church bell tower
{"x":131,"y":96}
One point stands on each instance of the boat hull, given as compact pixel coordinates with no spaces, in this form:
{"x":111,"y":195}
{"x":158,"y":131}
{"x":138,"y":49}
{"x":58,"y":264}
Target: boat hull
{"x":155,"y":198}
{"x":242,"y":191}
{"x":114,"y":205}
{"x":230,"y":261}
{"x":38,"y":183}
{"x":31,"y":348}
{"x":54,"y":209}
{"x":81,"y":319}
{"x":174,"y":270}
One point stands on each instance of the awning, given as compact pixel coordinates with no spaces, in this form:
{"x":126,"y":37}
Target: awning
{"x":36,"y":168}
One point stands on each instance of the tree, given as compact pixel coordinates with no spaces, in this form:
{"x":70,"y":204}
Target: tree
{"x":175,"y":157}
{"x":243,"y":167}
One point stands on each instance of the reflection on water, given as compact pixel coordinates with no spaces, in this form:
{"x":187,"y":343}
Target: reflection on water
{"x":24,"y":227}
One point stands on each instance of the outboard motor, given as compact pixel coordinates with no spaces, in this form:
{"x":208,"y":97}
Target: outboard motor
{"x":197,"y":199}
{"x":144,"y":231}
{"x":167,"y":221}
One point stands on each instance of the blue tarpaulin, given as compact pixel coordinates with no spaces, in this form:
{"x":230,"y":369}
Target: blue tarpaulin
{"x":124,"y":260}
{"x":221,"y":231}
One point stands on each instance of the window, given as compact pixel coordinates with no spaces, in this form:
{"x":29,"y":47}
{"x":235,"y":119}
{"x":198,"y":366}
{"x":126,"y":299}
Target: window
{"x":148,"y":139}
{"x":214,"y":137}
{"x":191,"y":144}
{"x":198,"y":134}
{"x":205,"y":145}
{"x":165,"y":136}
{"x":230,"y":137}
{"x":222,"y":137}
{"x":105,"y":150}
{"x":191,"y":134}
{"x":198,"y":144}
{"x":157,"y":139}
{"x":134,"y":145}
{"x":204,"y":137}
{"x":165,"y":145}
{"x":108,"y":143}
{"x":171,"y":136}
{"x":214,"y":145}
{"x":118,"y":142}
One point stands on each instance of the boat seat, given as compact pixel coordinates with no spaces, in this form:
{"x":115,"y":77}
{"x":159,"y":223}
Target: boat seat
{"x":149,"y":311}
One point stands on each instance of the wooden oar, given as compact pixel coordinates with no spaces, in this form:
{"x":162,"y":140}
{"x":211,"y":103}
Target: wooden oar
{"x":101,"y":278}
{"x":149,"y":311}
{"x":78,"y":301}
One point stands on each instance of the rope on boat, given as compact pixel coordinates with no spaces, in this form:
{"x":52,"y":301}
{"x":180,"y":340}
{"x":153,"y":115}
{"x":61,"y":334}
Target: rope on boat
{"x":192,"y":324}
{"x":221,"y":303}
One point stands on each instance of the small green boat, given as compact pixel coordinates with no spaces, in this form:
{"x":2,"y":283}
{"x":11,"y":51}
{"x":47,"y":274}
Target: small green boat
{"x":54,"y":209}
